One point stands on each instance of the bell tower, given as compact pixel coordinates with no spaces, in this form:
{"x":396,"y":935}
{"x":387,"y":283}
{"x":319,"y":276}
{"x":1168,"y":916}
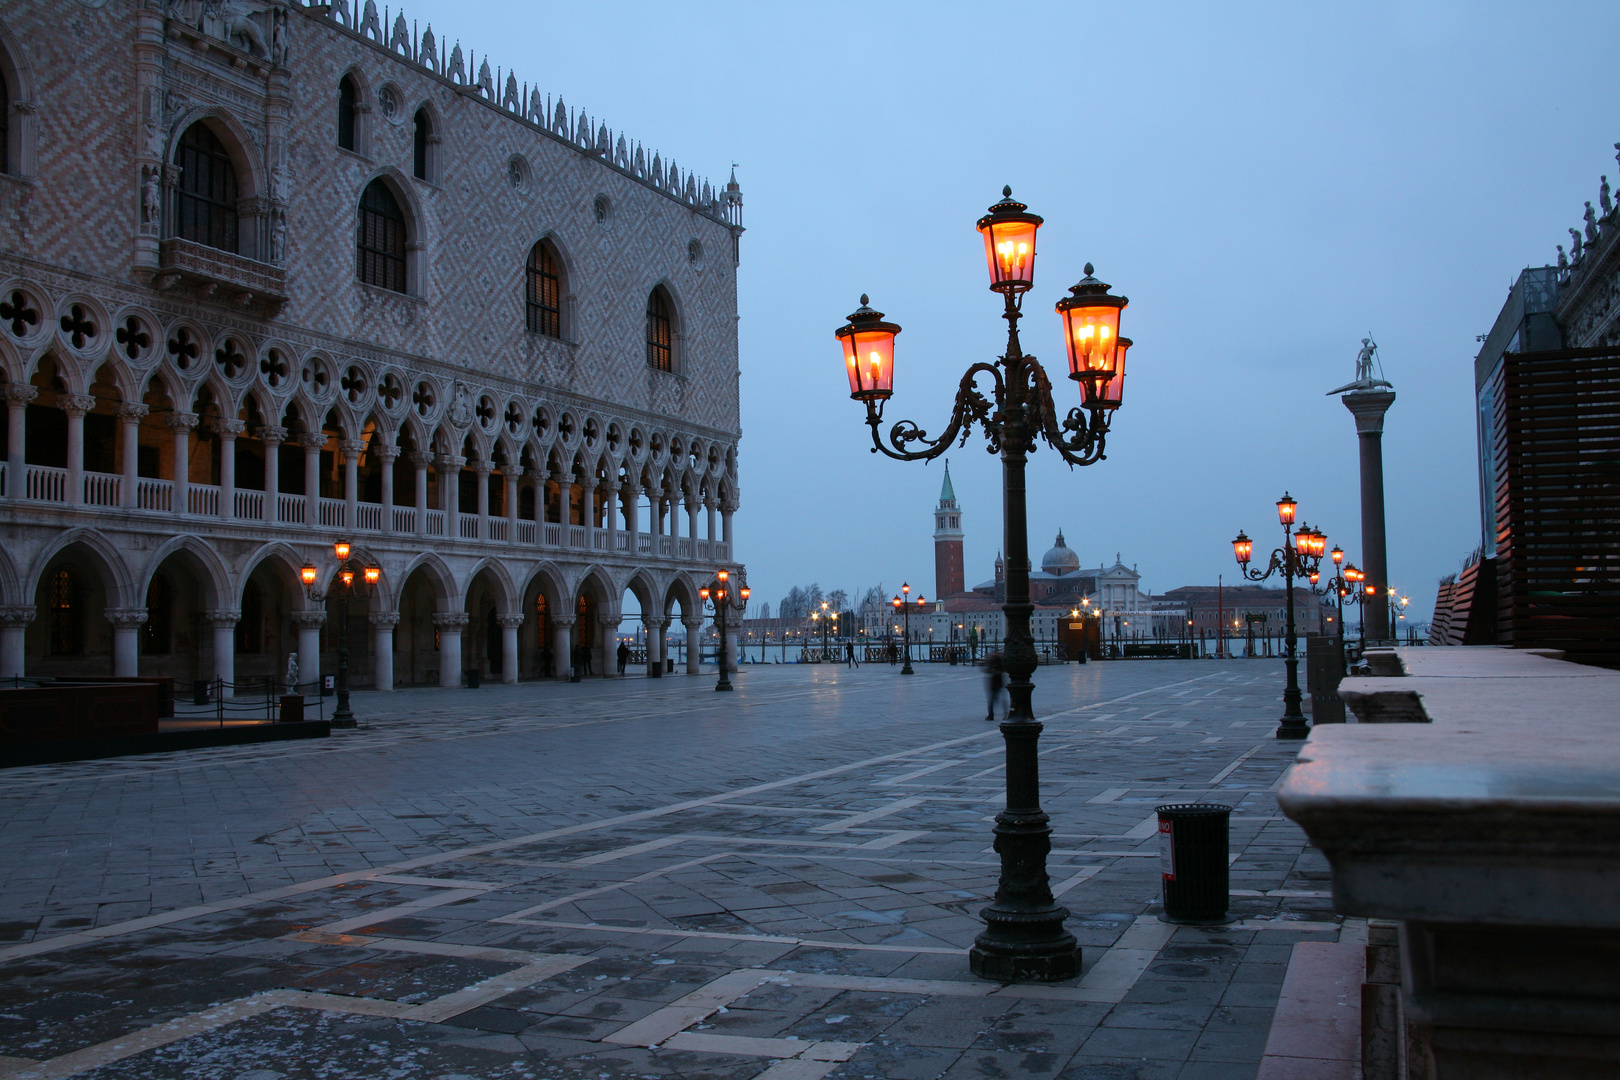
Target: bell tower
{"x":948,"y":576}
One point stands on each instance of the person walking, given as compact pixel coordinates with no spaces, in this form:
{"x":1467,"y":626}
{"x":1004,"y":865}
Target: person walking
{"x":624,"y":656}
{"x":849,"y":655}
{"x":995,"y":676}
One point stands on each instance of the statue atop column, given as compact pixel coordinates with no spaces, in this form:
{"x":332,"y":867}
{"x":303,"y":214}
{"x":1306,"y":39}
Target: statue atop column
{"x":1367,"y":370}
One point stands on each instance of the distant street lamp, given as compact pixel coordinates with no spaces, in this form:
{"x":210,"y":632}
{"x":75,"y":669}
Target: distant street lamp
{"x":342,"y":716}
{"x":725,"y":600}
{"x":1024,"y":937}
{"x":1299,"y":556}
{"x":904,"y":606}
{"x":829,"y":621}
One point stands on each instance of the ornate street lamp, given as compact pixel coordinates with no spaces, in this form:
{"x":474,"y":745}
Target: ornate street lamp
{"x":1024,"y":938}
{"x":829,"y":622}
{"x":1301,"y":553}
{"x":725,"y":600}
{"x":342,"y":716}
{"x":904,"y":606}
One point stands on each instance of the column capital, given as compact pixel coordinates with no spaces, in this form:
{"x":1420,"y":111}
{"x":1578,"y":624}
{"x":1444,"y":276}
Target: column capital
{"x":126,"y":618}
{"x":384,"y":619}
{"x":75,"y":404}
{"x":386,"y":451}
{"x":510,"y":622}
{"x":483,"y":468}
{"x":449,"y":461}
{"x":20,"y":393}
{"x":226,"y":428}
{"x":132,"y":410}
{"x":17,"y":615}
{"x":655,"y":622}
{"x":311,"y":440}
{"x":563,"y":621}
{"x":605,"y":621}
{"x":537,"y":475}
{"x":353,"y":446}
{"x":421,"y":458}
{"x":451,"y":620}
{"x":221,"y":618}
{"x":182,"y":421}
{"x":309,"y":620}
{"x":272,"y":435}
{"x":1369,"y":407}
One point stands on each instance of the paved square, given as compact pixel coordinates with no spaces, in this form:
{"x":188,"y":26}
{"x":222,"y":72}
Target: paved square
{"x":642,"y":878}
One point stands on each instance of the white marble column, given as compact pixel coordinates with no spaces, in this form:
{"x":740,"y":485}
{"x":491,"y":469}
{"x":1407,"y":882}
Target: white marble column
{"x":694,"y":644}
{"x":632,"y":515}
{"x":182,"y":424}
{"x":227,"y":430}
{"x":126,"y":638}
{"x":510,"y":475}
{"x":386,"y":456}
{"x":312,"y":442}
{"x":655,"y":643}
{"x":725,"y":527}
{"x":562,"y":646}
{"x":450,"y":624}
{"x":537,"y":478}
{"x":17,"y":401}
{"x":272,"y":437}
{"x":130,"y":415}
{"x":708,"y":505}
{"x":610,"y":514}
{"x":224,"y":624}
{"x":75,"y":406}
{"x":482,"y":469}
{"x":692,"y":522}
{"x":565,"y":502}
{"x":382,"y":648}
{"x":13,"y":629}
{"x":608,"y":634}
{"x":309,"y":625}
{"x":421,"y":459}
{"x":509,"y":646}
{"x":449,"y":466}
{"x":352,"y":449}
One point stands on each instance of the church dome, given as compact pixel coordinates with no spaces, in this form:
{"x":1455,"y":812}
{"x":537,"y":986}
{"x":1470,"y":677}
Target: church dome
{"x":1060,"y":560}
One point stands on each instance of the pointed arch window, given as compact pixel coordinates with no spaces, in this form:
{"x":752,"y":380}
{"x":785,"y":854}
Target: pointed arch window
{"x":5,"y":126}
{"x":659,"y":335}
{"x":380,"y":239}
{"x":421,"y":129}
{"x":157,"y":633}
{"x":205,"y":203}
{"x":67,"y":614}
{"x":348,"y":105}
{"x":543,"y":291}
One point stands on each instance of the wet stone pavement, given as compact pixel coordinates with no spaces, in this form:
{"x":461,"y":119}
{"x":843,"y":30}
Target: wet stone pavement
{"x":644,"y":879}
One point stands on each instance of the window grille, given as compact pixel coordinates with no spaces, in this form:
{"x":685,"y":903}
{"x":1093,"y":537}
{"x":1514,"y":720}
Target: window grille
{"x":543,"y":292}
{"x":67,"y":615}
{"x":658,"y":331}
{"x":205,"y":202}
{"x":380,"y":239}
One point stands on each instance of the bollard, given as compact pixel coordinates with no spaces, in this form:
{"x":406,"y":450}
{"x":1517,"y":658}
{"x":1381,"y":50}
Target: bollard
{"x":1193,"y":862}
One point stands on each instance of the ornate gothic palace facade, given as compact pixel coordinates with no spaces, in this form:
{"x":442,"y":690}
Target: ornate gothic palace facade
{"x":273,"y":276}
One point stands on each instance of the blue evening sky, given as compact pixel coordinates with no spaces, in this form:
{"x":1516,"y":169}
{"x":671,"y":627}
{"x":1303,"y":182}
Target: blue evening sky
{"x":1266,"y":183}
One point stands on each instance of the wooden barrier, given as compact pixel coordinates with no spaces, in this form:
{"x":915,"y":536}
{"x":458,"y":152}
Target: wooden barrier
{"x":79,"y":711}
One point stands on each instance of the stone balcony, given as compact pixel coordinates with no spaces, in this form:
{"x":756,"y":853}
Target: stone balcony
{"x":211,"y":274}
{"x":54,"y":488}
{"x":1480,"y":813}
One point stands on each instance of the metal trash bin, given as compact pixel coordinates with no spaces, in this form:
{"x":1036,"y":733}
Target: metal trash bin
{"x":1324,"y":669}
{"x":199,"y":691}
{"x":475,"y":678}
{"x":1193,"y":861}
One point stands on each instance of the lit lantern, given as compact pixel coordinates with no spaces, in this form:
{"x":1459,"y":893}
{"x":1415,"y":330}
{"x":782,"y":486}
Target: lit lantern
{"x":868,"y":344}
{"x":897,"y":603}
{"x":1338,"y":554}
{"x":1302,"y":540}
{"x":1285,"y":509}
{"x":341,"y":548}
{"x":1091,"y":333}
{"x":347,"y":577}
{"x":724,"y":576}
{"x":1243,"y":548}
{"x":905,"y":587}
{"x":1109,"y":392}
{"x":307,"y":573}
{"x":703,"y":593}
{"x":1009,"y":244}
{"x":373,"y":575}
{"x":1316,"y":575}
{"x":745,"y":592}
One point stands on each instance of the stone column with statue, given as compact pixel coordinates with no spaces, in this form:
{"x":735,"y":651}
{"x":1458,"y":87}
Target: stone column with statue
{"x":1368,"y":399}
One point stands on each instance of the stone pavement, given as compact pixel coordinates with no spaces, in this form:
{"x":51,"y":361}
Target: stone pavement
{"x":642,"y":878}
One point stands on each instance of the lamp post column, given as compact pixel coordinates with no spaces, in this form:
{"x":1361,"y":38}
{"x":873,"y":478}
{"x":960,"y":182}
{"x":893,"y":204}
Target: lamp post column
{"x":343,"y":716}
{"x":1292,"y":725}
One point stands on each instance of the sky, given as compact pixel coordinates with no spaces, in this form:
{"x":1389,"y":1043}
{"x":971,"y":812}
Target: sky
{"x":1266,"y":183}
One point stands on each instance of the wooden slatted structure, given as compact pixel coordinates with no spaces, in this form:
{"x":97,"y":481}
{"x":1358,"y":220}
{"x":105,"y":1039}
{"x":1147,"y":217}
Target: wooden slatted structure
{"x":1558,"y":502}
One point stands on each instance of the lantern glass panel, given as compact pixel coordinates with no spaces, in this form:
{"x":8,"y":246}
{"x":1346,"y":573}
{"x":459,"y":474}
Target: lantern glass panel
{"x":1285,"y":510}
{"x":1009,"y":249}
{"x":1109,"y":393}
{"x":869,"y":363}
{"x":1091,"y":333}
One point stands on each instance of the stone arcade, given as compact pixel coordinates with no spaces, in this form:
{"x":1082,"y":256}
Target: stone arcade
{"x":270,"y":278}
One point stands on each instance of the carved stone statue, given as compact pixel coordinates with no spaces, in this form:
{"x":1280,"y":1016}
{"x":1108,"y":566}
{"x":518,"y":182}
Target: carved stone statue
{"x":1574,"y":245}
{"x":151,"y":202}
{"x":1591,"y":225}
{"x":292,"y":673}
{"x":1605,"y":203}
{"x":1563,"y":261}
{"x":278,"y":238}
{"x":1366,"y":369}
{"x":231,"y":20}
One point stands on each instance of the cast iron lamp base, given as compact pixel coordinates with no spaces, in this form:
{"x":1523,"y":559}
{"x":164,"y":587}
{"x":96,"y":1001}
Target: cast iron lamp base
{"x":1293,"y":727}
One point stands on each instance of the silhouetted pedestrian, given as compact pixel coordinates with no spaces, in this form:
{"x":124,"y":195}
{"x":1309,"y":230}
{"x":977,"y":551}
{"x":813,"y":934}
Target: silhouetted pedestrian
{"x":624,"y":656}
{"x":849,"y":655}
{"x":995,"y":671}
